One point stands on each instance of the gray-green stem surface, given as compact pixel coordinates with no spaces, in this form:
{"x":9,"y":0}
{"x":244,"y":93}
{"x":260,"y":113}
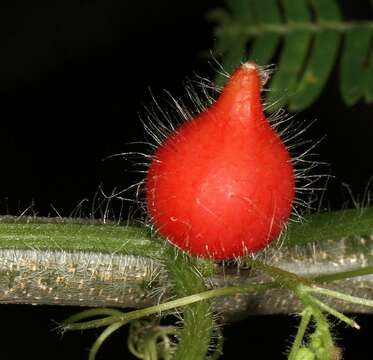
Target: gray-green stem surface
{"x":85,"y":262}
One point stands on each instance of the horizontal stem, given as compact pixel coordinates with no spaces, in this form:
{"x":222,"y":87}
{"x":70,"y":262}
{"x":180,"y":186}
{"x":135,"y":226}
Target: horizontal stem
{"x":157,"y":309}
{"x":92,"y":313}
{"x":295,"y":26}
{"x":367,"y":270}
{"x":284,"y":277}
{"x":77,"y":235}
{"x":327,"y":227}
{"x":88,"y":263}
{"x":340,"y":296}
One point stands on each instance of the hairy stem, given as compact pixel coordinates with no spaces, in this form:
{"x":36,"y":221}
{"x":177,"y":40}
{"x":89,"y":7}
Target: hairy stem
{"x":77,"y":235}
{"x":336,"y":313}
{"x":345,"y":297}
{"x":101,"y":339}
{"x":305,"y":319}
{"x":187,"y":278}
{"x":70,"y":324}
{"x":86,"y":262}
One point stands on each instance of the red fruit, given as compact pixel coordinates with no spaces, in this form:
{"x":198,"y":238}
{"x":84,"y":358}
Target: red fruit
{"x":222,"y":184}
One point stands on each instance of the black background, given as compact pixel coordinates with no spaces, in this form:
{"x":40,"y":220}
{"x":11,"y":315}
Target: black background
{"x":73,"y":77}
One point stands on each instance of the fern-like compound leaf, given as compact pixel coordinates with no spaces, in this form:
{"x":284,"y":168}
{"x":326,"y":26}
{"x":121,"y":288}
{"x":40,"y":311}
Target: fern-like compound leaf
{"x":304,"y":38}
{"x":353,"y":62}
{"x":368,"y":79}
{"x":321,"y":58}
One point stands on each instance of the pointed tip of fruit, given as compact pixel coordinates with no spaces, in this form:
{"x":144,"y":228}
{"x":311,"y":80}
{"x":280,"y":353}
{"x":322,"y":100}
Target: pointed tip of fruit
{"x":250,"y":65}
{"x":264,"y":75}
{"x":240,"y":99}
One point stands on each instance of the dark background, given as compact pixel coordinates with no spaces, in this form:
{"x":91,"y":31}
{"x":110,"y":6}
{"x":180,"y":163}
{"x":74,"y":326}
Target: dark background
{"x":73,"y":77}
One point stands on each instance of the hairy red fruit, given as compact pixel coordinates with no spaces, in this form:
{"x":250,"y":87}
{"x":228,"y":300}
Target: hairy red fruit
{"x":222,"y":184}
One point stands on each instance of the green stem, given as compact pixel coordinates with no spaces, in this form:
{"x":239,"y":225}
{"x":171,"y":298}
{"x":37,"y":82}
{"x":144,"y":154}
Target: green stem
{"x":284,"y":277}
{"x":334,"y":226}
{"x":92,"y":313}
{"x":294,"y":26}
{"x":325,"y":349}
{"x":322,"y":341}
{"x":336,"y":313}
{"x":338,"y":295}
{"x":368,"y":270}
{"x":150,"y":341}
{"x":306,"y":317}
{"x":56,"y":234}
{"x":44,"y":244}
{"x":88,"y":235}
{"x":198,"y":324}
{"x":101,"y":339}
{"x":218,"y":347}
{"x":163,"y":307}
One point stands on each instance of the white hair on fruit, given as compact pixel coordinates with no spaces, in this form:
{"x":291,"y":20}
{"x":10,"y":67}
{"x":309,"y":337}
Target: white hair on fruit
{"x":164,"y":119}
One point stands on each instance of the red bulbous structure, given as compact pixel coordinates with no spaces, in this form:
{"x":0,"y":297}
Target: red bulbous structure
{"x":222,"y":185}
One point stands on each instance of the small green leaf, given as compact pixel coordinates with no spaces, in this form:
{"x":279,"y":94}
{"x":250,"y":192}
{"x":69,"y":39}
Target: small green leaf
{"x":326,"y":10}
{"x":293,"y":55}
{"x":321,"y":59}
{"x":307,"y":34}
{"x":368,"y":79}
{"x":354,"y":58}
{"x":265,"y":45}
